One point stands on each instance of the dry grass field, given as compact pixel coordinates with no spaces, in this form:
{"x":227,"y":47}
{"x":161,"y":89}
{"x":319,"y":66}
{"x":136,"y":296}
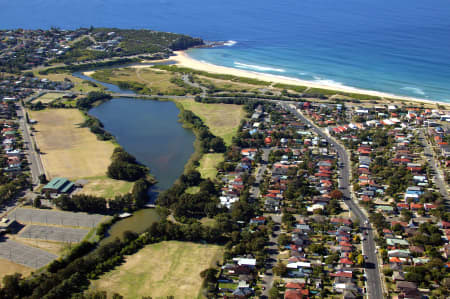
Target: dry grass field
{"x":8,"y":268}
{"x":222,"y":119}
{"x":159,"y":270}
{"x":68,"y":150}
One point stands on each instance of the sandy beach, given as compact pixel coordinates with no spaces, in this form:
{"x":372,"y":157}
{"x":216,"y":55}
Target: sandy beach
{"x":183,"y":59}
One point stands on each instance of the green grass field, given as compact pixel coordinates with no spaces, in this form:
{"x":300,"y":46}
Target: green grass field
{"x":170,"y":268}
{"x":208,"y":165}
{"x":48,"y":97}
{"x":222,"y":119}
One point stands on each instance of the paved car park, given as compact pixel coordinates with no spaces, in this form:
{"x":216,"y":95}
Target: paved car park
{"x":53,"y":233}
{"x":25,"y":255}
{"x":29,"y":216}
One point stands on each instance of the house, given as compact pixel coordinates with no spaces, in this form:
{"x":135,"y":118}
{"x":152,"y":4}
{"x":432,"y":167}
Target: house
{"x":58,"y":185}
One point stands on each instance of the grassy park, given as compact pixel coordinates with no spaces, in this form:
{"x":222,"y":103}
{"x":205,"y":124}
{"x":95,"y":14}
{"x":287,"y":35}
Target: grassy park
{"x":222,"y":119}
{"x":48,"y":97}
{"x":170,"y":268}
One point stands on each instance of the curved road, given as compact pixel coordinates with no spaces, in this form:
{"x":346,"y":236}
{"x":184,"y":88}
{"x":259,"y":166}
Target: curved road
{"x":374,"y":287}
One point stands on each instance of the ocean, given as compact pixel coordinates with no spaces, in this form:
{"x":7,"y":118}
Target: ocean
{"x":400,"y":47}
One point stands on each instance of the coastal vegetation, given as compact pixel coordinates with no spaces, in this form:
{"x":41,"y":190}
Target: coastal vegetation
{"x":102,"y":43}
{"x":172,"y":268}
{"x":146,"y":81}
{"x":185,"y":70}
{"x":86,"y":66}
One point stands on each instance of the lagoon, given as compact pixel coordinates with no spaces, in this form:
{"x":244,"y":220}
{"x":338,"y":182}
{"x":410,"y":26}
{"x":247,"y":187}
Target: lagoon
{"x":150,"y":131}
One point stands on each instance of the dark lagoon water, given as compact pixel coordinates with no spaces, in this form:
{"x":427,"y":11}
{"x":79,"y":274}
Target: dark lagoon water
{"x":150,"y":131}
{"x":401,"y":46}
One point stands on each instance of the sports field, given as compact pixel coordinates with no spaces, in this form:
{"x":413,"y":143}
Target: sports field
{"x":222,"y":119}
{"x":170,"y":268}
{"x":67,"y":150}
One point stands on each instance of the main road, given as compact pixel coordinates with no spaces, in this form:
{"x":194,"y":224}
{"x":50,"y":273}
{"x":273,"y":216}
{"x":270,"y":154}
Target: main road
{"x":34,"y":159}
{"x":374,"y":288}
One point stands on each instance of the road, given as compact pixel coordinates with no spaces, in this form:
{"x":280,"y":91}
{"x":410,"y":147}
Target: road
{"x":33,"y":157}
{"x":439,"y":180}
{"x":374,"y":286}
{"x":254,"y":190}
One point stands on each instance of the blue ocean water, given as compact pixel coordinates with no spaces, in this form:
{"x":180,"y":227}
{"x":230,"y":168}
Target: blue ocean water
{"x":401,"y":46}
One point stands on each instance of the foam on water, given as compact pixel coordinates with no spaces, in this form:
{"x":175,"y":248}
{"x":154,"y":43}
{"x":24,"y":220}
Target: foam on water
{"x":230,"y":43}
{"x":258,"y":67}
{"x":327,"y":82}
{"x":415,"y":90}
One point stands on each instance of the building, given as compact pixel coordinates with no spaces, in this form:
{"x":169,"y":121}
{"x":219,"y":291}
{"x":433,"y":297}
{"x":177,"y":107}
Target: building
{"x":58,"y":185}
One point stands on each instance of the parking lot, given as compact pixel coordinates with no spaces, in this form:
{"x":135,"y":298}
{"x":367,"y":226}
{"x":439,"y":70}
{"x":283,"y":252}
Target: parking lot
{"x":25,"y":255}
{"x":24,"y":215}
{"x":53,"y":233}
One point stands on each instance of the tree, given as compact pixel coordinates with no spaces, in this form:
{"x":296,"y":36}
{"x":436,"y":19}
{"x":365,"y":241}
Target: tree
{"x":284,"y":239}
{"x":43,"y":179}
{"x":360,"y":260}
{"x":336,"y":194}
{"x":37,"y":202}
{"x":274,"y":293}
{"x":317,"y":248}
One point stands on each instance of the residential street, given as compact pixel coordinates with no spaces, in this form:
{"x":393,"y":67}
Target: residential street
{"x":439,"y":180}
{"x":369,"y":248}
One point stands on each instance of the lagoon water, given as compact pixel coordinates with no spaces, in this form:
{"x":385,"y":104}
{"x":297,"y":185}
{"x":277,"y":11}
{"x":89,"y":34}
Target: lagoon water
{"x":150,"y":131}
{"x":401,"y":46}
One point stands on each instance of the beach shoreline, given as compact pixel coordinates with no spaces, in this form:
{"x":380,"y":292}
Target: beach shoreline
{"x":183,"y":59}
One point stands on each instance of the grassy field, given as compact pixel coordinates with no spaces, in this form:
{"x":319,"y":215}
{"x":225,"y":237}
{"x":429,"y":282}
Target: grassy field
{"x":208,"y":165}
{"x":157,"y":80}
{"x":48,"y":97}
{"x":80,"y":85}
{"x":168,"y":268}
{"x":105,"y":187}
{"x":222,"y":119}
{"x":8,"y":268}
{"x":68,"y":150}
